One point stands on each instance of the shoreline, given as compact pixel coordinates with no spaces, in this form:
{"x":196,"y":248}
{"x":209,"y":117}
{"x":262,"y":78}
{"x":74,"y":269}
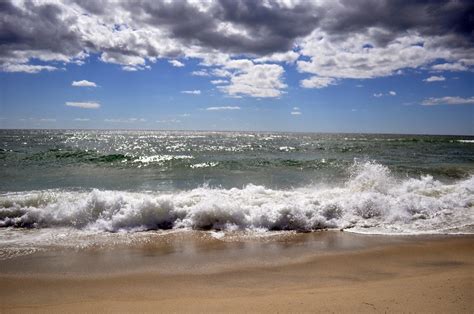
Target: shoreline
{"x":415,"y":274}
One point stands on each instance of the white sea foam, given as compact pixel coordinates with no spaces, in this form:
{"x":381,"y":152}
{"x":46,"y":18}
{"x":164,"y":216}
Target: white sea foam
{"x":160,"y":158}
{"x":286,"y":148}
{"x":371,"y":201}
{"x":204,"y":165}
{"x":466,"y":141}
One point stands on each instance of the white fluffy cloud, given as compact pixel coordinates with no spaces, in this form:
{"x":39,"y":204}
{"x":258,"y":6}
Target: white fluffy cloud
{"x":192,"y":92}
{"x":355,"y":58}
{"x":218,"y":82}
{"x":176,"y":63}
{"x":449,"y":67}
{"x":286,"y":57}
{"x":295,"y":113}
{"x":128,"y":63}
{"x":435,"y":78}
{"x":200,"y":73}
{"x":448,"y":100}
{"x":83,"y":83}
{"x":318,"y":82}
{"x":255,"y":80}
{"x":223,"y":108}
{"x":83,"y":105}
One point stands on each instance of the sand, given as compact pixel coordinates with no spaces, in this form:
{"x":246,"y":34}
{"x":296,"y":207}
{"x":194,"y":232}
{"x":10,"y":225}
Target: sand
{"x":429,"y":274}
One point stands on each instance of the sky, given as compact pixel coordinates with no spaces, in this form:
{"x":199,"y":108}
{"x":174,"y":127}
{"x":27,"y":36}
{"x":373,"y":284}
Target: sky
{"x":375,"y":66}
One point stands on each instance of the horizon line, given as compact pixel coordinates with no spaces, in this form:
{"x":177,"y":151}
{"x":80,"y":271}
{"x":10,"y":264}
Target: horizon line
{"x":223,"y":131}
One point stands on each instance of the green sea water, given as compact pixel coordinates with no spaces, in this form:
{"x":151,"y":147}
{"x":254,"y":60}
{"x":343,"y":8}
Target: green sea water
{"x":167,"y":161}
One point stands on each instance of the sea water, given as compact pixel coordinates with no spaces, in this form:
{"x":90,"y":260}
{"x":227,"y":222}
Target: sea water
{"x":59,"y":185}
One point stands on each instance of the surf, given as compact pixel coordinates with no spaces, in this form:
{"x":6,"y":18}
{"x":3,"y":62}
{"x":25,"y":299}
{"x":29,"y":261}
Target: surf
{"x":371,"y":200}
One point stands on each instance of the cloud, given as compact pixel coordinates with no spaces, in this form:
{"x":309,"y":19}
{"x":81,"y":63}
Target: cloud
{"x":255,"y":80}
{"x":333,"y":58}
{"x":169,"y":121}
{"x":217,"y":82}
{"x":226,"y":25}
{"x":26,"y":68}
{"x":83,"y":105}
{"x":449,"y":67}
{"x":295,"y":113}
{"x":176,"y":63}
{"x":296,"y":108}
{"x":317,"y":82}
{"x":390,"y":93}
{"x":286,"y":57}
{"x":200,"y":73}
{"x":435,"y":78}
{"x":82,"y":119}
{"x":367,"y":40}
{"x":329,"y":40}
{"x":448,"y":100}
{"x":192,"y":92}
{"x":83,"y":83}
{"x":128,"y":62}
{"x":47,"y":120}
{"x":222,"y":108}
{"x":127,"y":120}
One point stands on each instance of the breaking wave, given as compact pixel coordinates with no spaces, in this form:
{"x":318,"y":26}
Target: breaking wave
{"x":370,"y":201}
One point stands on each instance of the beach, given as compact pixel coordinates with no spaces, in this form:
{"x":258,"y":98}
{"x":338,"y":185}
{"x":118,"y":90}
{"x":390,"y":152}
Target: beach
{"x":155,"y":221}
{"x":224,"y":156}
{"x":357,"y":273}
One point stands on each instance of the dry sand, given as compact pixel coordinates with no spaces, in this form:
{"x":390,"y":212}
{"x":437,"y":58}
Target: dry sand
{"x":430,"y":275}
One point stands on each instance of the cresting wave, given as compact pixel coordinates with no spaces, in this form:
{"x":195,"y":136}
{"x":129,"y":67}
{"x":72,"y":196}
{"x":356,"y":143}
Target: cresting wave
{"x":371,"y":201}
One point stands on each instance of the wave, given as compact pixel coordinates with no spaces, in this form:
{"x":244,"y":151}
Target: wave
{"x":91,"y":156}
{"x":75,"y":156}
{"x":372,"y":200}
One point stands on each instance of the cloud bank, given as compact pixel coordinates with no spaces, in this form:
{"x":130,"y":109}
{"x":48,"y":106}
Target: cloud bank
{"x":244,"y":42}
{"x":448,"y":100}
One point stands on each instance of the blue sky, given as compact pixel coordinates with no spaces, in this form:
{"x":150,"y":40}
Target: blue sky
{"x":406,"y":85}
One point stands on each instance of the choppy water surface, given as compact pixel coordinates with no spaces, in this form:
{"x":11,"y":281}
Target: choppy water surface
{"x":139,"y":160}
{"x":102,"y":181}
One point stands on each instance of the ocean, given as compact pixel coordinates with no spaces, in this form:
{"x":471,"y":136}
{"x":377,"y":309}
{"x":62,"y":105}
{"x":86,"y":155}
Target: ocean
{"x":78,"y":188}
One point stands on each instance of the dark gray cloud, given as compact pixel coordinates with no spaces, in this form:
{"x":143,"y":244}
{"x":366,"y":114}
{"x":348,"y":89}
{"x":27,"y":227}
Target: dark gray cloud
{"x":254,"y":28}
{"x":37,"y":28}
{"x":429,"y":18}
{"x":269,"y":29}
{"x":92,"y":6}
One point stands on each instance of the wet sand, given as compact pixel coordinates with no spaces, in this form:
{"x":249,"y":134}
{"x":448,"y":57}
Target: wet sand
{"x":325,"y":272}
